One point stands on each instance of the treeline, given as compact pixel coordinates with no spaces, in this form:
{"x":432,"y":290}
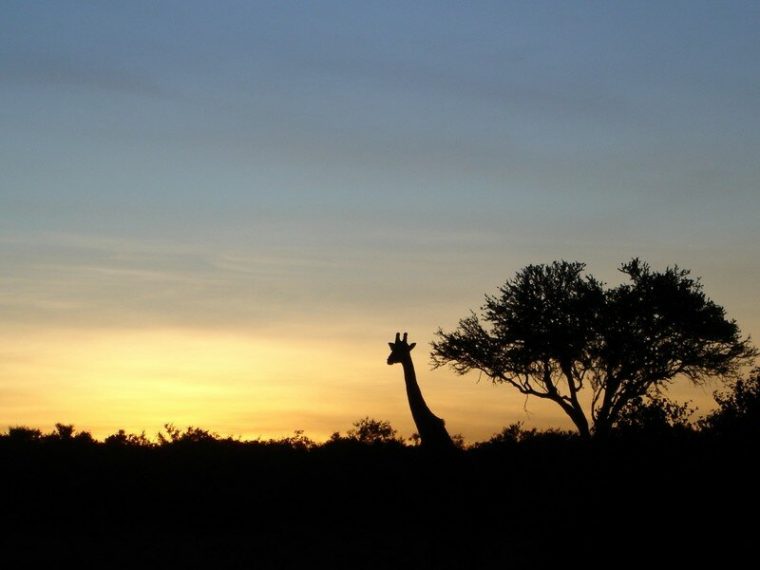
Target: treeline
{"x":659,"y":488}
{"x":737,"y":416}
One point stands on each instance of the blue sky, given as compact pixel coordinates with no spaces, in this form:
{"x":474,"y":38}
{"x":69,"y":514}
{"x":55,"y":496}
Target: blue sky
{"x":339,"y":169}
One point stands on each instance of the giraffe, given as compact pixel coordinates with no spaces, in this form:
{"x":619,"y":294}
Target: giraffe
{"x":433,"y":434}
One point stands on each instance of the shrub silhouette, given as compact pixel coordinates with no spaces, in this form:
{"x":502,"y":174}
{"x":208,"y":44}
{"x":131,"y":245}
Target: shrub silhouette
{"x":654,"y":416}
{"x":24,"y":434}
{"x":299,"y":441}
{"x":190,"y":435}
{"x":738,"y":413}
{"x":365,"y":499}
{"x":371,"y":431}
{"x":121,"y":438}
{"x":63,"y":432}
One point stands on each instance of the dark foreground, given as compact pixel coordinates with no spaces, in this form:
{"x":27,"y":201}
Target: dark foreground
{"x":221,"y":504}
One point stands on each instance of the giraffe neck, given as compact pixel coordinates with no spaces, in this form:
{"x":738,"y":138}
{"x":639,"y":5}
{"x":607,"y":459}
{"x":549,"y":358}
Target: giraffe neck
{"x":431,"y":429}
{"x":420,"y":411}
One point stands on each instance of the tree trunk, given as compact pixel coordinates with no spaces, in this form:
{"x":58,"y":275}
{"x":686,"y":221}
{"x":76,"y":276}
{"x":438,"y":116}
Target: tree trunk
{"x":602,"y":428}
{"x":580,"y":421}
{"x":575,"y":413}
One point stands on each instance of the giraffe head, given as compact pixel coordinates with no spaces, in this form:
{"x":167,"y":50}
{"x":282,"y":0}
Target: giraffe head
{"x":400,"y":349}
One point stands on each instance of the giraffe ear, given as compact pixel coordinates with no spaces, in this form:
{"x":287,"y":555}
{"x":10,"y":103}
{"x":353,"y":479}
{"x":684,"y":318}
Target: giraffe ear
{"x":411,"y":346}
{"x":391,"y":345}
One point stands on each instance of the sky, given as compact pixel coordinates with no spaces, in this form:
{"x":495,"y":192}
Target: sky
{"x":218,"y":214}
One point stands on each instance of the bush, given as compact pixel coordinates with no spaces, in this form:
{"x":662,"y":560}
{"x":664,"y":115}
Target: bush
{"x":371,"y":431}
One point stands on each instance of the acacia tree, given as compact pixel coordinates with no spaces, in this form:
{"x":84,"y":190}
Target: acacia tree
{"x":553,"y":331}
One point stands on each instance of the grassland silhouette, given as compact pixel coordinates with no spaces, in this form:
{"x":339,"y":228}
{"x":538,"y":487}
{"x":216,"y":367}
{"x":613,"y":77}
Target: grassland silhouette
{"x":369,"y":499}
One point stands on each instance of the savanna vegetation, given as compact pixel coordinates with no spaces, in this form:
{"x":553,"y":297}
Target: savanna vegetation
{"x":370,"y":499}
{"x":642,"y":479}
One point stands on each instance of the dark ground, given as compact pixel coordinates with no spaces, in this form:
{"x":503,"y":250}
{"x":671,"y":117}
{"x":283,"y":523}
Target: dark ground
{"x":221,"y":504}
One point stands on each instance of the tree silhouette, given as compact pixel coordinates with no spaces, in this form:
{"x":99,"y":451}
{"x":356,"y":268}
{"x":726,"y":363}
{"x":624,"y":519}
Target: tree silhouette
{"x":122,"y":438}
{"x":553,"y":331}
{"x":654,"y":416}
{"x":369,"y":430}
{"x":738,"y":413}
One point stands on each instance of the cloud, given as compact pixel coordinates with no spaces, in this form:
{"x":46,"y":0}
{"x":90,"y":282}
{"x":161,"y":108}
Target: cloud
{"x":92,"y":282}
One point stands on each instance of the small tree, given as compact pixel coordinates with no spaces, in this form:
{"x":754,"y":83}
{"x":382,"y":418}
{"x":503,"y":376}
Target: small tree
{"x":369,"y":430}
{"x":738,"y":412}
{"x":63,"y":432}
{"x":654,"y":415}
{"x":553,"y":331}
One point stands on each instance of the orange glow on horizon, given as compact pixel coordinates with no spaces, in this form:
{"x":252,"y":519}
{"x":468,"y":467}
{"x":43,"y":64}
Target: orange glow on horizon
{"x":242,"y":384}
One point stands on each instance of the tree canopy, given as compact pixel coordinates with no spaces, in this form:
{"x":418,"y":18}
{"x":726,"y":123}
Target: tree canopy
{"x":553,"y":331}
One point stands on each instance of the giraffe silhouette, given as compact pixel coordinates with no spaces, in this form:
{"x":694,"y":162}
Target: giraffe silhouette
{"x":432,"y":431}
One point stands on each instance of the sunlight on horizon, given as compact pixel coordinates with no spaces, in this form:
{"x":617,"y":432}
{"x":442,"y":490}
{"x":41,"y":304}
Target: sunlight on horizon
{"x":139,"y":380}
{"x":242,"y":385}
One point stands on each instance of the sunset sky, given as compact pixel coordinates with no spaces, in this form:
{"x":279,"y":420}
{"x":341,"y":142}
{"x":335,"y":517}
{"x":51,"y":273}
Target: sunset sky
{"x":218,"y":214}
